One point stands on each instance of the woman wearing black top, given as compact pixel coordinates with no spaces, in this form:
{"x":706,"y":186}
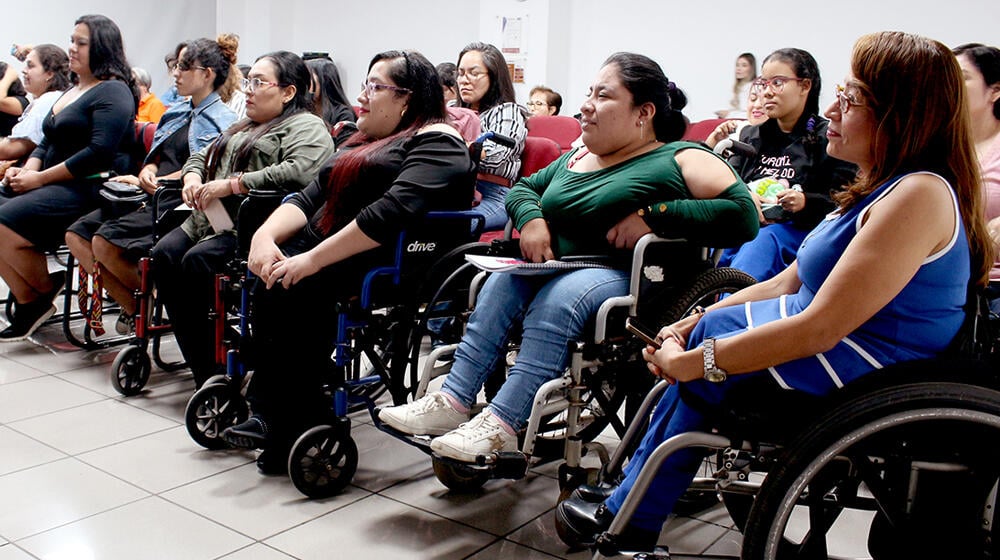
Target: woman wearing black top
{"x":315,"y":248}
{"x":86,"y":134}
{"x":331,"y":102}
{"x":791,"y":146}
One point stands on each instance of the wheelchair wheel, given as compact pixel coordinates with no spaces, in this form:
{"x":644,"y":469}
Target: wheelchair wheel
{"x":130,"y":370}
{"x":705,"y":290}
{"x":323,"y":461}
{"x":910,"y":466}
{"x":212,"y":409}
{"x":459,"y":477}
{"x":602,"y":403}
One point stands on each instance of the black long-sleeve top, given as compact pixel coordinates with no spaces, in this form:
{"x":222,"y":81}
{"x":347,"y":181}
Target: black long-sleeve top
{"x":92,"y":134}
{"x":799,"y":157}
{"x":428,"y":171}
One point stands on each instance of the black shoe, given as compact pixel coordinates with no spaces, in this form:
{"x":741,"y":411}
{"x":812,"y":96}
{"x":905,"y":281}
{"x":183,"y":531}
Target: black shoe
{"x":594,"y":494}
{"x":273,"y":461}
{"x":580,"y":523}
{"x":252,"y":434}
{"x":27,"y":318}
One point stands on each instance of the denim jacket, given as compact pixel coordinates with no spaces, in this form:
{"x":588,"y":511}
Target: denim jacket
{"x":209,"y":120}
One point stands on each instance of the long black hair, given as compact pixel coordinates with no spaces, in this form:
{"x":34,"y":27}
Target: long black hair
{"x":647,"y":83}
{"x":290,"y":70}
{"x":107,"y":52}
{"x":987,"y":59}
{"x":331,"y":101}
{"x":501,"y":88}
{"x":425,"y":106}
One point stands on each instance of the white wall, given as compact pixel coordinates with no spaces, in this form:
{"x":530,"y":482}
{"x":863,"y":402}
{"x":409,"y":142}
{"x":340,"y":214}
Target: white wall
{"x":695,"y":41}
{"x":150,"y":28}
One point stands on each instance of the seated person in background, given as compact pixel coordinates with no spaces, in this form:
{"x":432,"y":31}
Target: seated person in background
{"x":745,"y":74}
{"x":981,"y":67}
{"x":314,"y":250}
{"x":46,"y":76}
{"x":629,"y":179}
{"x":880,"y":281}
{"x":485,"y":87}
{"x":88,"y":132}
{"x":280,"y":146}
{"x":114,"y":243}
{"x":734,"y":127}
{"x":791,"y":145}
{"x":544,"y":101}
{"x":170,"y":96}
{"x":150,"y":106}
{"x":447,"y":72}
{"x":13,"y":98}
{"x":331,"y":103}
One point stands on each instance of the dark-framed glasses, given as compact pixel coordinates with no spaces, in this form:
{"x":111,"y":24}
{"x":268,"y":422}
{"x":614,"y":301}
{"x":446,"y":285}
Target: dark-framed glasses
{"x":184,"y":67}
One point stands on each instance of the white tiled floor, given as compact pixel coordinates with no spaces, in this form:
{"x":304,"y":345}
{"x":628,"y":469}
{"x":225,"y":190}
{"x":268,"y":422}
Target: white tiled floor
{"x":87,"y":474}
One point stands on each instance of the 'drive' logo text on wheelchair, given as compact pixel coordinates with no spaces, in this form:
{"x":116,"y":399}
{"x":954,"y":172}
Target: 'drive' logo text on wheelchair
{"x":420,"y":247}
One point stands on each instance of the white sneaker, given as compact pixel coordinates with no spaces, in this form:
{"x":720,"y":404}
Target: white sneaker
{"x":482,"y":435}
{"x":430,"y":415}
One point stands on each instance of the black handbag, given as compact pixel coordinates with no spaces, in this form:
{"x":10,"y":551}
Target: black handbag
{"x":122,"y":198}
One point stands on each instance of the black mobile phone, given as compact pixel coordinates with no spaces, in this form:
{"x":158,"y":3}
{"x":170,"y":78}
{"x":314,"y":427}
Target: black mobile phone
{"x":644,"y":334}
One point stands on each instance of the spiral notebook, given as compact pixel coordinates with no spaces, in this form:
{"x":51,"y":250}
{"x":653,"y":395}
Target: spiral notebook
{"x":520,"y":266}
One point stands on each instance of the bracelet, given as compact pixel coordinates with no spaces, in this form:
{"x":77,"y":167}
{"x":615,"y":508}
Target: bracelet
{"x":234,"y":184}
{"x":698,"y":310}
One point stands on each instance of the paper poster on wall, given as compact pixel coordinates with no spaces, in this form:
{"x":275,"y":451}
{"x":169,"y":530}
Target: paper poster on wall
{"x":512,"y":29}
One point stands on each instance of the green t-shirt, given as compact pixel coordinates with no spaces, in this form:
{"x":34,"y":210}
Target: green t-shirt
{"x":580,"y":208}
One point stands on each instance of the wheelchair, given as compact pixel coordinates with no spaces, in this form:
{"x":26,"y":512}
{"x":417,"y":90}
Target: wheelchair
{"x":668,"y":278}
{"x":901,"y":463}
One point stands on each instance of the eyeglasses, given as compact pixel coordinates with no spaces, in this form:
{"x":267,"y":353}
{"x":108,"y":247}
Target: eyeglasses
{"x":250,"y":86}
{"x":845,"y":100}
{"x":371,"y":87}
{"x":184,"y":67}
{"x":470,"y":74}
{"x":537,"y":104}
{"x":775,"y":84}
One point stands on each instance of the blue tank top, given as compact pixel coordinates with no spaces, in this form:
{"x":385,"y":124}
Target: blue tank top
{"x":919,"y":322}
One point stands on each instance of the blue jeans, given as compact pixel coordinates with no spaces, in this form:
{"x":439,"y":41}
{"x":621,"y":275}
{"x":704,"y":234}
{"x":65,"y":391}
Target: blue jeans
{"x":552,"y":310}
{"x":492,"y":204}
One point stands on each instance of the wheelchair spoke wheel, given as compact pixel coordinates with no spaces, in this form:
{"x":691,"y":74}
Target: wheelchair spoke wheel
{"x":323,"y":461}
{"x":130,"y":370}
{"x":601,"y":405}
{"x":459,"y":477}
{"x":905,"y":472}
{"x":706,"y":289}
{"x":212,"y":409}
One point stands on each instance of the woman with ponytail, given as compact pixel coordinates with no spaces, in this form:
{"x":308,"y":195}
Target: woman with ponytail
{"x":314,"y":249}
{"x":631,"y":177}
{"x":280,"y":145}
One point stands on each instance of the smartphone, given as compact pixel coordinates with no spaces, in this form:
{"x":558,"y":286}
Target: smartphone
{"x":642,"y":332}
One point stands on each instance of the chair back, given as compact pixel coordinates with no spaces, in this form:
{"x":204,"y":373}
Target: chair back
{"x":699,"y":131}
{"x":538,"y":153}
{"x":564,"y":130}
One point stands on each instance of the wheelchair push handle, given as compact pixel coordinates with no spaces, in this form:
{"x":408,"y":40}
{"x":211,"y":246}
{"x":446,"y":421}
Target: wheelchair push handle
{"x":496,"y":138}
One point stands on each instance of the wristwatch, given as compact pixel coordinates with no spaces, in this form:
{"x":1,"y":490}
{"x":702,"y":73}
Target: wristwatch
{"x":713,"y":373}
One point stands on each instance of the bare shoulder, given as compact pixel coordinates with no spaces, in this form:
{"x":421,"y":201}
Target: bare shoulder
{"x":440,"y":127}
{"x":705,"y":173}
{"x":920,"y":192}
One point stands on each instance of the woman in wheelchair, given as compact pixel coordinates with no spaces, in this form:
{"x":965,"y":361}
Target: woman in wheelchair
{"x":631,"y":177}
{"x":881,"y":280}
{"x":87,"y":134}
{"x":117,"y":241}
{"x":313,"y":251}
{"x":280,"y":146}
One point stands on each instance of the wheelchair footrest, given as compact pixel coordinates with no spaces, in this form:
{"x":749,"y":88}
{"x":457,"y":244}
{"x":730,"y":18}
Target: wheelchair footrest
{"x":506,"y":464}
